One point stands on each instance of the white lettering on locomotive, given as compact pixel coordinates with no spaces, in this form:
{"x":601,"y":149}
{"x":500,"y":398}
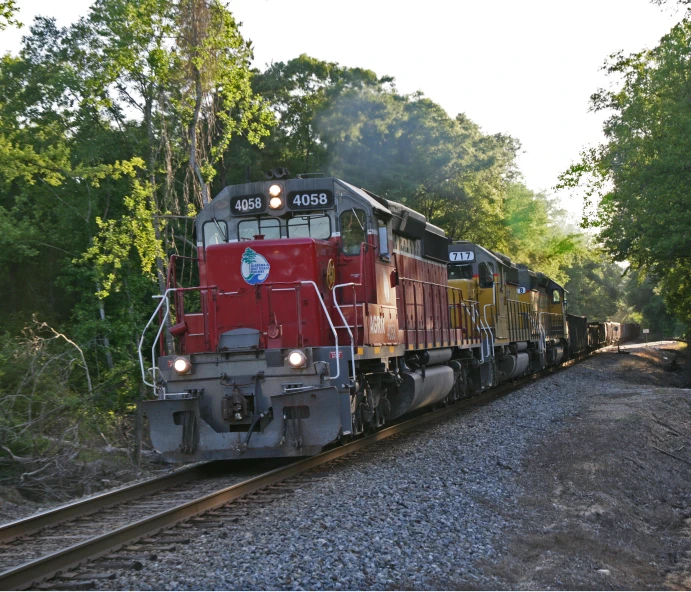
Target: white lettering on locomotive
{"x":376,"y":325}
{"x":392,"y":332}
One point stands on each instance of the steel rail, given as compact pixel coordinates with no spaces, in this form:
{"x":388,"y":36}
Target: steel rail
{"x":27,"y":575}
{"x":77,"y":509}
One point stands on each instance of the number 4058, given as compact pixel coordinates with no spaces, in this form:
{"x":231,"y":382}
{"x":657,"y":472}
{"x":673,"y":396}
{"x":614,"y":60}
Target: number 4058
{"x":252,"y":203}
{"x":310,"y":199}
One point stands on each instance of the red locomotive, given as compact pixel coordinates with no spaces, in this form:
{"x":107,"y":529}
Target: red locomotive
{"x":324,"y":311}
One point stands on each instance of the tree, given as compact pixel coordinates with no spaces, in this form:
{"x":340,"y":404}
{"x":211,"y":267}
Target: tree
{"x":408,"y":149}
{"x":596,"y":287}
{"x":296,"y":92}
{"x":638,"y":180}
{"x":94,"y":148}
{"x":215,"y":97}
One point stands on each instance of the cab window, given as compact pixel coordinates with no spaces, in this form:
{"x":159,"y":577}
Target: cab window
{"x":556,"y":297}
{"x":460,"y":272}
{"x":486,"y":275}
{"x":383,"y":239}
{"x":318,"y":226}
{"x":215,"y":232}
{"x":353,"y":230}
{"x":269,"y":227}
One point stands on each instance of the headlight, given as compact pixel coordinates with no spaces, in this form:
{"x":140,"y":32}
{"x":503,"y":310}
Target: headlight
{"x":275,"y":190}
{"x":297,"y":359}
{"x":275,"y":202}
{"x":182,"y":365}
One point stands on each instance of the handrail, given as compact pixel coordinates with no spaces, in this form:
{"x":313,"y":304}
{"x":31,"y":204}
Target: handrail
{"x":430,"y":284}
{"x":518,"y":310}
{"x":490,"y":341}
{"x":542,"y":327}
{"x":480,"y":327}
{"x":363,"y":246}
{"x":326,"y":314}
{"x":490,"y":353}
{"x":163,"y":300}
{"x":450,"y":305}
{"x":345,"y":323}
{"x":333,"y":329}
{"x":553,"y":314}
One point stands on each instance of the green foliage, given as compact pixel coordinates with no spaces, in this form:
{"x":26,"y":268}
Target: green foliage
{"x":96,"y":124}
{"x":538,"y":234}
{"x":641,"y":174}
{"x":113,"y":244}
{"x":350,"y":123}
{"x":8,"y":9}
{"x":596,"y":287}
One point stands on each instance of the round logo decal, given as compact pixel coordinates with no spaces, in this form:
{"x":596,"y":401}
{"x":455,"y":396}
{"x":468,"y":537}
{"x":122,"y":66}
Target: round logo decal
{"x":254,"y":267}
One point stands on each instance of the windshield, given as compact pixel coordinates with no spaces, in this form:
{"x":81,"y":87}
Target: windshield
{"x":269,"y":227}
{"x":460,"y":272}
{"x":317,"y":226}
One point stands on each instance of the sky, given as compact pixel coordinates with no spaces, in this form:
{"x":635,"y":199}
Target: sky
{"x":525,"y":68}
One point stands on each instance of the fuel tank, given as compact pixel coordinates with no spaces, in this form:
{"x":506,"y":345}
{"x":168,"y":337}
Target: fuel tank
{"x":555,"y":355}
{"x":514,"y":366}
{"x":421,"y":388}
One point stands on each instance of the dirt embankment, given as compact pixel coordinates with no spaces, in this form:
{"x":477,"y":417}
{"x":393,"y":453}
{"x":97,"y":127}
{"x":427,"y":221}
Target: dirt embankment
{"x":608,"y":498}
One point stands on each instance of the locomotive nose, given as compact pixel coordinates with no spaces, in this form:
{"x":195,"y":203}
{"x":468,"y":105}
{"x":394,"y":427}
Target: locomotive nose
{"x":274,"y":287}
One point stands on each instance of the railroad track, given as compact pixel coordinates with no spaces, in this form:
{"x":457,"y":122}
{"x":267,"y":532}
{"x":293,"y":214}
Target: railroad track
{"x":56,"y":543}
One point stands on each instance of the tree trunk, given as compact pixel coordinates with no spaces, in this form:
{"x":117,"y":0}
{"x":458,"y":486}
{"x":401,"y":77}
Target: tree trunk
{"x":106,"y":341}
{"x":138,"y":428}
{"x":192,"y":130}
{"x":160,"y":264}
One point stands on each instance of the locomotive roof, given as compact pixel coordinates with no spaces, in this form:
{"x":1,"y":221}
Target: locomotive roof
{"x":498,"y":257}
{"x":378,"y":204}
{"x":406,"y":220}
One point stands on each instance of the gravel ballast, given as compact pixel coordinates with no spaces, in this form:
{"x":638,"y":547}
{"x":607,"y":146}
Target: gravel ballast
{"x":439,"y":508}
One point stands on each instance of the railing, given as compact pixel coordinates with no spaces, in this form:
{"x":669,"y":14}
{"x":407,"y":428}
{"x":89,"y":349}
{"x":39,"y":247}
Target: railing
{"x":163,"y":310}
{"x":353,"y":338}
{"x":481,"y":328}
{"x":520,"y":318}
{"x":441,"y":304}
{"x":345,"y":324}
{"x":552,"y":325}
{"x":270,"y":288}
{"x":163,"y":305}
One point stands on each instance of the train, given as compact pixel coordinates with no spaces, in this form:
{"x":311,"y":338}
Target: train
{"x":323,"y":311}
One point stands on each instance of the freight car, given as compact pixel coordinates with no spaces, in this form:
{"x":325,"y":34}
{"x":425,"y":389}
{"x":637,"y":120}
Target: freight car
{"x":578,"y":334}
{"x":629,"y":331}
{"x":324,"y":311}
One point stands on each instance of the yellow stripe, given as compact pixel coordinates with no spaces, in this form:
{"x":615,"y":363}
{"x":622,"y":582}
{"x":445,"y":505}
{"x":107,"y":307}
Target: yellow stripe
{"x":429,"y":345}
{"x":438,"y":343}
{"x":391,"y":348}
{"x":410,"y":346}
{"x":377,"y":350}
{"x":360,"y":351}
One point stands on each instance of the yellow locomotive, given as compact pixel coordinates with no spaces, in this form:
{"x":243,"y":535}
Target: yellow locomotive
{"x":521,"y":313}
